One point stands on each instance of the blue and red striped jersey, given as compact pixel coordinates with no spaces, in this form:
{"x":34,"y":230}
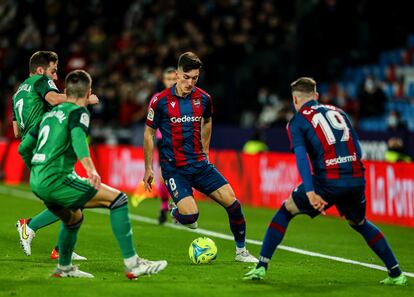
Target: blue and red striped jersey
{"x":179,"y":121}
{"x":331,"y":143}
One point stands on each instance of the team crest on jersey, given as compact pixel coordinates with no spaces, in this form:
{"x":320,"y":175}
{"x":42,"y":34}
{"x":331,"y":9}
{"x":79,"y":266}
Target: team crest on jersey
{"x":197,"y":102}
{"x":84,"y":119}
{"x":150,"y":115}
{"x":52,"y":84}
{"x":172,"y":104}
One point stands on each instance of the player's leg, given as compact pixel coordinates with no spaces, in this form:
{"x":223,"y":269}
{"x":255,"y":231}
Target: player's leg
{"x":117,"y":202}
{"x":354,"y":210}
{"x":209,"y":181}
{"x":163,"y":191}
{"x":165,"y":196}
{"x":225,"y":197}
{"x":43,"y":219}
{"x":185,"y":210}
{"x":71,"y":222}
{"x":27,"y":231}
{"x":296,"y":204}
{"x":27,"y":228}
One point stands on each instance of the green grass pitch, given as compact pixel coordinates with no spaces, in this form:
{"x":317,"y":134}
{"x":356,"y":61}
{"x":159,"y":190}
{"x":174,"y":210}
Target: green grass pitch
{"x":290,"y":274}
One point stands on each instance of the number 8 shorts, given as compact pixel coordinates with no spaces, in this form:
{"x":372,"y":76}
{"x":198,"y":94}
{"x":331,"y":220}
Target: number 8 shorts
{"x":202,"y":176}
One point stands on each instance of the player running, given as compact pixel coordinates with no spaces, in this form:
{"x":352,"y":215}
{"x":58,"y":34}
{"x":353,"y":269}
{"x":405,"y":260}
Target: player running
{"x":36,"y":95}
{"x":325,"y":133}
{"x":183,"y":115}
{"x":51,"y":150}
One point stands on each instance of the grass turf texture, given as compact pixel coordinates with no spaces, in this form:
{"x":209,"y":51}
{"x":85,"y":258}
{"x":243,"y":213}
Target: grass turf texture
{"x":290,"y":274}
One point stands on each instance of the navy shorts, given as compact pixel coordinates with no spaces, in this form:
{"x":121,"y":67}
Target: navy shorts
{"x":202,"y":176}
{"x":350,"y":201}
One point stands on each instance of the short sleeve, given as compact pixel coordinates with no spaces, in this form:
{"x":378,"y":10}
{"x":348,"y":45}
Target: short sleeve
{"x":295,"y":133}
{"x":45,"y":85}
{"x":154,"y":113}
{"x":208,"y":112}
{"x":80,"y":118}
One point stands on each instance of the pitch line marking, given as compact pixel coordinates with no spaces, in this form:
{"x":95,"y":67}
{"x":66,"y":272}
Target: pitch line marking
{"x":30,"y":196}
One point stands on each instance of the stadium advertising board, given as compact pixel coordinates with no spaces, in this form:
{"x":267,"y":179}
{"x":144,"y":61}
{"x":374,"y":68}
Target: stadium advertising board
{"x":263,"y":180}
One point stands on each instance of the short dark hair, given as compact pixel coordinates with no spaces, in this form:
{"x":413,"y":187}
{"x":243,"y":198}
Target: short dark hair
{"x":304,"y":85}
{"x":169,"y":70}
{"x":189,"y":61}
{"x":78,"y":84}
{"x":42,"y":59}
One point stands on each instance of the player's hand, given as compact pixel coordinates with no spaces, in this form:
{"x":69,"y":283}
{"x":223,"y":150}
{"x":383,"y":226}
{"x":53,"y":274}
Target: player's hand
{"x":148,"y":178}
{"x":93,"y":99}
{"x":317,"y":202}
{"x":94,"y":179}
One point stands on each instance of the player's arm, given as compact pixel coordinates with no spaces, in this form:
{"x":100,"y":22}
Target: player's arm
{"x":297,"y":139}
{"x":206,"y":127}
{"x":79,"y":129}
{"x":149,"y":134}
{"x":151,"y":125}
{"x":304,"y":168}
{"x":16,"y":130}
{"x":27,"y":146}
{"x":54,"y":98}
{"x":81,"y":148}
{"x":48,"y":90}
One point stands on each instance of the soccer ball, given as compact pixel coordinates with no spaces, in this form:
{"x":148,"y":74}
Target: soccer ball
{"x":202,"y":250}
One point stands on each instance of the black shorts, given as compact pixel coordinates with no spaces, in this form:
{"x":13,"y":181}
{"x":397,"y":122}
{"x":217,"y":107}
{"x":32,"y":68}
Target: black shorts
{"x":349,"y":201}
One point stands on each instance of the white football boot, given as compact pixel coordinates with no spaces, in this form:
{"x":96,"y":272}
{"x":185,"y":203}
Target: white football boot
{"x":145,"y":267}
{"x":54,"y":255}
{"x":70,"y":271}
{"x":26,"y":235}
{"x":244,"y":255}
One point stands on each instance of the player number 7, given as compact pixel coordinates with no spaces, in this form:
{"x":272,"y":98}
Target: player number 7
{"x":335,"y":120}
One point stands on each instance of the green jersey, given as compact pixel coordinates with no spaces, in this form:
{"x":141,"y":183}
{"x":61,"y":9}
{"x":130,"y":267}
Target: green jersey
{"x":29,"y":102}
{"x":61,"y":140}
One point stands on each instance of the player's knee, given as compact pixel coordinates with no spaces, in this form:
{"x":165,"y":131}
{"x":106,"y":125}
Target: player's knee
{"x":187,"y":206}
{"x":75,"y":222}
{"x":189,"y":218}
{"x":291,"y":207}
{"x":356,"y":225}
{"x":120,"y":200}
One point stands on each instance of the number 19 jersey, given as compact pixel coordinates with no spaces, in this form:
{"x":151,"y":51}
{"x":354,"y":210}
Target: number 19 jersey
{"x":331,"y":143}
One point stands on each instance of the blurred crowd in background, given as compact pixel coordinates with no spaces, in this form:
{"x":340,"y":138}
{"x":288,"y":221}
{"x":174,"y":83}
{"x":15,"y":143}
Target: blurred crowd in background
{"x":251,"y":51}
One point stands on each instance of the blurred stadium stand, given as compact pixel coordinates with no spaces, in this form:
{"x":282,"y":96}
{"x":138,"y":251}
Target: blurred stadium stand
{"x":251,"y":51}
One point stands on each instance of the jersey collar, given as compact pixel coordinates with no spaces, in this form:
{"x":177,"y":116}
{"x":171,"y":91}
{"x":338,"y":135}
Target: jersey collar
{"x":175,"y":94}
{"x":309,"y":103}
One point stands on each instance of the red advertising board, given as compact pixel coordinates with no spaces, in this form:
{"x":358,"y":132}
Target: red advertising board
{"x":263,"y":180}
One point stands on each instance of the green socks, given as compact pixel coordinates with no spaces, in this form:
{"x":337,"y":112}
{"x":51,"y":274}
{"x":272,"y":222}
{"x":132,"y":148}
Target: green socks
{"x":121,"y":227}
{"x":43,"y":219}
{"x":66,"y":242}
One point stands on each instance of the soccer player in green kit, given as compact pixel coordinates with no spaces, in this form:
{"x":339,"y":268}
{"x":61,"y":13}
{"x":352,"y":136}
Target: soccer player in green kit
{"x":36,"y":95}
{"x":51,"y":150}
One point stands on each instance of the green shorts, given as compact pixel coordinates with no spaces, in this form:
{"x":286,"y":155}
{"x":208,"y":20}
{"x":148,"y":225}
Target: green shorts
{"x":70,"y":191}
